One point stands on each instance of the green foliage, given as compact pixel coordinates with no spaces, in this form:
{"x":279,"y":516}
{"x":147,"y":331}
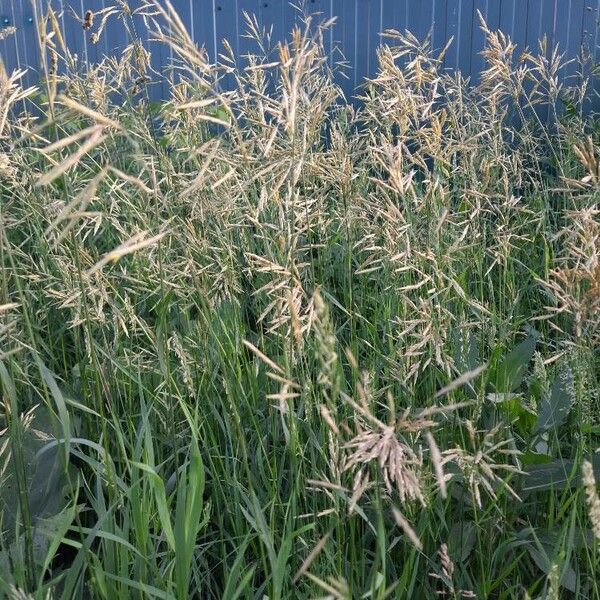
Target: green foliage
{"x":261,"y":343}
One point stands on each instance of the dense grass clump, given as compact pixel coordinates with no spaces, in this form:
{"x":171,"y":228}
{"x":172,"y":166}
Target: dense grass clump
{"x":263,"y":342}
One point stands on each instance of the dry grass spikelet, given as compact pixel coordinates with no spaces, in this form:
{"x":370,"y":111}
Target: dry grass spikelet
{"x":446,"y":574}
{"x":575,"y":281}
{"x":480,"y":466}
{"x":328,"y":376}
{"x":400,"y":465}
{"x":407,"y":528}
{"x":592,"y":498}
{"x":7,"y":32}
{"x":554,"y":583}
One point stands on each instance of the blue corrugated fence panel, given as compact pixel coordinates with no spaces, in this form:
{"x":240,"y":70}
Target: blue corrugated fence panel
{"x":593,"y":18}
{"x":513,"y":20}
{"x":26,"y":39}
{"x":273,"y":18}
{"x":563,"y":36}
{"x":226,"y":26}
{"x":246,"y":8}
{"x":457,"y":25}
{"x":490,"y":12}
{"x":423,"y":19}
{"x":9,"y":45}
{"x":346,"y":12}
{"x":356,"y":34}
{"x":368,"y":19}
{"x":540,"y":22}
{"x":438,"y":32}
{"x":74,"y":35}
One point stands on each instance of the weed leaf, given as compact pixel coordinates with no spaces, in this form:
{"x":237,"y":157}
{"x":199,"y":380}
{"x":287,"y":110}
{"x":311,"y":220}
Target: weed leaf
{"x":555,"y":408}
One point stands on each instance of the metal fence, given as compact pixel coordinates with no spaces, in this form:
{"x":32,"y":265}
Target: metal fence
{"x":573,"y":24}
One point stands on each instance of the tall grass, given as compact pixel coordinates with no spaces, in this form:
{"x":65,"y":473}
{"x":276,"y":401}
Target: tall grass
{"x":264,"y":342}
